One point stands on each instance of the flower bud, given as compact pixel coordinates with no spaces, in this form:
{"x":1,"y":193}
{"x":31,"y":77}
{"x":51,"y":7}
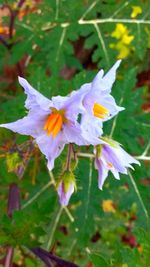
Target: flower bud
{"x":65,"y":187}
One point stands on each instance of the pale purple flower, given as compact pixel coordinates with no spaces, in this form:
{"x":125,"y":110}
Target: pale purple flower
{"x":64,"y":195}
{"x":112,"y":157}
{"x":99,"y":105}
{"x":97,"y":99}
{"x":53,"y":123}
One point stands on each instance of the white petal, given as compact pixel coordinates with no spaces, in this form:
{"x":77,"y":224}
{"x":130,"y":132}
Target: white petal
{"x":59,"y":101}
{"x":65,"y":197}
{"x":91,"y":129}
{"x":98,"y":79}
{"x":50,"y":147}
{"x":109,"y":102}
{"x":109,"y":78}
{"x":73,"y":134}
{"x":102,"y":172}
{"x":115,"y":173}
{"x":34,"y":98}
{"x":32,"y":124}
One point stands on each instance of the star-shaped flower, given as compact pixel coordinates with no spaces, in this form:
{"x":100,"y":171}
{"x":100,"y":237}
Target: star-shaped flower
{"x":98,"y":103}
{"x":53,"y":123}
{"x":112,"y":157}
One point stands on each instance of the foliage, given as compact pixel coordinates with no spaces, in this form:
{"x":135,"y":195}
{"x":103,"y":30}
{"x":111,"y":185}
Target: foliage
{"x":58,"y":46}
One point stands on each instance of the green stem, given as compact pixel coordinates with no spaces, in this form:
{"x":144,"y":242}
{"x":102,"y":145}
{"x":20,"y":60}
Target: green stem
{"x":43,"y":189}
{"x":138,"y":195}
{"x":57,"y":218}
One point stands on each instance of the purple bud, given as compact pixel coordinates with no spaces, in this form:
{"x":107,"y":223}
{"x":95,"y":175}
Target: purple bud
{"x":13,"y":199}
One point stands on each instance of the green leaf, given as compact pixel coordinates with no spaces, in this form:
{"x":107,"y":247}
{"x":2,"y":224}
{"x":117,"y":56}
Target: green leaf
{"x":99,"y":261}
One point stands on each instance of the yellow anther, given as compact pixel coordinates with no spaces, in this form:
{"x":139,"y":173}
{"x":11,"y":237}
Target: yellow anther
{"x":100,"y":111}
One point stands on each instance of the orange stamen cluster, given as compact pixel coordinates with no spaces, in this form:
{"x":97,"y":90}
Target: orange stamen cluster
{"x":54,"y":122}
{"x":100,"y":111}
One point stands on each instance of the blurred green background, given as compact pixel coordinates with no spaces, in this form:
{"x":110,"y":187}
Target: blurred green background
{"x":57,"y":46}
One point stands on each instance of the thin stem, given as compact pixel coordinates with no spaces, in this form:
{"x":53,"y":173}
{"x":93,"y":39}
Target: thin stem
{"x":43,"y":189}
{"x":11,"y":27}
{"x":89,"y":189}
{"x":115,"y":120}
{"x":57,"y":218}
{"x":57,"y":9}
{"x":146,"y":150}
{"x":52,"y":177}
{"x":69,"y":157}
{"x":12,"y":18}
{"x":92,"y":156}
{"x":120,"y":9}
{"x":112,"y":20}
{"x":69,"y":214}
{"x":138,"y":195}
{"x":89,"y":9}
{"x":85,"y":155}
{"x":9,"y":257}
{"x":72,"y":247}
{"x":102,"y":42}
{"x":51,"y":25}
{"x":61,"y":42}
{"x":144,"y":158}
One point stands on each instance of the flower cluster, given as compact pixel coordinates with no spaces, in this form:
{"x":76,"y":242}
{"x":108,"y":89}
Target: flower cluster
{"x":55,"y":123}
{"x":121,"y":33}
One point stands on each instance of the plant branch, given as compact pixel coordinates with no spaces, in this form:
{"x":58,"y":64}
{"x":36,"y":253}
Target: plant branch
{"x":112,"y":20}
{"x":144,"y":158}
{"x":89,"y":189}
{"x":51,"y":25}
{"x":42,"y":190}
{"x":138,"y":195}
{"x":102,"y":42}
{"x":69,"y":156}
{"x":12,"y":18}
{"x":92,"y":156}
{"x":53,"y":229}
